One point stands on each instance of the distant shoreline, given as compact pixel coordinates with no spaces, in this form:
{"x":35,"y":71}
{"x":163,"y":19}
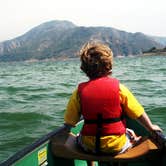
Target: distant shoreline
{"x":155,"y":51}
{"x":155,"y":54}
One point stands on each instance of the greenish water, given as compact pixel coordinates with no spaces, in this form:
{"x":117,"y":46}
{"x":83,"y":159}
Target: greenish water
{"x":33,"y":96}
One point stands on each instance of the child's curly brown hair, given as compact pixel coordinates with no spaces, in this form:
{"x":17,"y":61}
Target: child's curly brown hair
{"x":96,"y":59}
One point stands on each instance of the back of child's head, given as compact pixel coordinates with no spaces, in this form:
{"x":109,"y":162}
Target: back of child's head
{"x":96,"y":59}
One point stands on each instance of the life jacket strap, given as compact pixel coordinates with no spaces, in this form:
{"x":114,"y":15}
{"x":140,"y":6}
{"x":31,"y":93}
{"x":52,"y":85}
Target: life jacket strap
{"x":108,"y":120}
{"x":99,"y":122}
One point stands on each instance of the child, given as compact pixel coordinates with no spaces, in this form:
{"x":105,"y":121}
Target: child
{"x":102,"y":102}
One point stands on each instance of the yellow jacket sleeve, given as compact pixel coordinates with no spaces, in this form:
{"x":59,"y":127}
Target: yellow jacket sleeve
{"x":73,"y":113}
{"x":130,"y":104}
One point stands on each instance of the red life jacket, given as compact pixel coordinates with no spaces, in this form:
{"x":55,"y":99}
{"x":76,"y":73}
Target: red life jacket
{"x":100,"y":107}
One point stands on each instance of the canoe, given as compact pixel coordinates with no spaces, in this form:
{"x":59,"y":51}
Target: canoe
{"x":59,"y":148}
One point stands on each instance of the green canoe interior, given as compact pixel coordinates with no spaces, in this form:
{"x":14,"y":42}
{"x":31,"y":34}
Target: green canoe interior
{"x":61,"y":151}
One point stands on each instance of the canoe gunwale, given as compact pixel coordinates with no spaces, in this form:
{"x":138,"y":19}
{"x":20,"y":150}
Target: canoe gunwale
{"x":23,"y":152}
{"x":48,"y":138}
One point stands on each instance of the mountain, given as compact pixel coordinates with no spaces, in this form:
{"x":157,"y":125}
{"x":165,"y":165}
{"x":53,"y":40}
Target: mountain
{"x":161,"y":40}
{"x":63,"y":39}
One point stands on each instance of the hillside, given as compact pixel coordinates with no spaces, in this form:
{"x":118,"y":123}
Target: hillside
{"x":161,"y":40}
{"x":62,"y":39}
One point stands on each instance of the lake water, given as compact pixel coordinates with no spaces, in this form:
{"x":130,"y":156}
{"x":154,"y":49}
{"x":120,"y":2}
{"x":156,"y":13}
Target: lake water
{"x":33,"y":95}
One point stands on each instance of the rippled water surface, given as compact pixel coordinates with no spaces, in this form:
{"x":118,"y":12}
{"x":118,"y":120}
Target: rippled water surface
{"x":33,"y":96}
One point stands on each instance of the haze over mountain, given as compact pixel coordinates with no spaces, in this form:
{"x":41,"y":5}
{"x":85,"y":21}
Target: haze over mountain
{"x":62,"y":39}
{"x":161,"y":40}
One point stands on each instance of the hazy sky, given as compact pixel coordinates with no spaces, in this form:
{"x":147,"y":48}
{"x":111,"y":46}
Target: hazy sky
{"x":147,"y":16}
